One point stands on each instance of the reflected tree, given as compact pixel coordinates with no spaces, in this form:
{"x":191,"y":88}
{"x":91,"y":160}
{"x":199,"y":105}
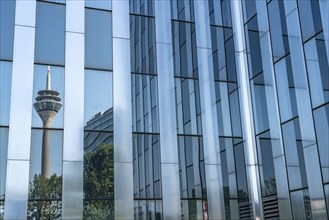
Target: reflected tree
{"x":99,"y":183}
{"x":45,"y":197}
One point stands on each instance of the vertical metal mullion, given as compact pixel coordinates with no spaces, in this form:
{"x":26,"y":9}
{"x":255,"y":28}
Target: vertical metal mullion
{"x":18,"y":159}
{"x":167,"y":114}
{"x":122,"y":112}
{"x":246,"y":110}
{"x":213,"y":171}
{"x":72,"y":204}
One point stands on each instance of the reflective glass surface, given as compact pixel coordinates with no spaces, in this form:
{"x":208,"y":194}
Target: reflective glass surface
{"x":145,"y":103}
{"x":100,"y":4}
{"x":184,"y":48}
{"x":7,"y":20}
{"x":142,"y":7}
{"x":45,"y":180}
{"x":50,"y":33}
{"x":98,"y":171}
{"x":142,"y":44}
{"x":5,"y":91}
{"x":318,"y":69}
{"x":147,"y":167}
{"x":182,"y":10}
{"x":301,"y":206}
{"x":321,"y":120}
{"x":56,"y":85}
{"x":188,"y":106}
{"x":148,"y":209}
{"x":98,"y":39}
{"x":294,"y":154}
{"x":98,"y":100}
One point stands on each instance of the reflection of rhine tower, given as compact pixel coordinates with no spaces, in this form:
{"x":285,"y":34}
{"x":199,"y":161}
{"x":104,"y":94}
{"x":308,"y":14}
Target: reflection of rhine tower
{"x":47,"y":105}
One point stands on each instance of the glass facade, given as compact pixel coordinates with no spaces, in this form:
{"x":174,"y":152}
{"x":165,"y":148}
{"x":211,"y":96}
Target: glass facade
{"x":153,"y":109}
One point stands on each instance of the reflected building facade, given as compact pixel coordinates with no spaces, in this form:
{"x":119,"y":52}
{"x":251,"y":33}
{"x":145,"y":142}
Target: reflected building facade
{"x":171,"y":109}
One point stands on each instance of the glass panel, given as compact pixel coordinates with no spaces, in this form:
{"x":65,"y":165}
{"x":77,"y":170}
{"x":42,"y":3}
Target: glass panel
{"x":190,"y":157}
{"x":145,"y":103}
{"x":188,"y":106}
{"x":326,"y":191}
{"x":253,"y":47}
{"x":310,"y":18}
{"x":301,"y":206}
{"x":45,"y":181}
{"x":100,"y":4}
{"x":249,"y":9}
{"x":147,"y":168}
{"x":294,"y":154}
{"x":5,"y":91}
{"x":321,"y":120}
{"x":142,"y":44}
{"x":98,"y":39}
{"x":98,"y":100}
{"x":318,"y":69}
{"x":143,"y":7}
{"x":3,"y":167}
{"x":7,"y":21}
{"x":184,"y":48}
{"x":182,"y":10}
{"x":241,"y":172}
{"x":98,"y":181}
{"x":258,"y":87}
{"x":50,"y":33}
{"x":148,"y":209}
{"x":266,"y":164}
{"x":278,"y":26}
{"x":48,"y":97}
{"x":286,"y":89}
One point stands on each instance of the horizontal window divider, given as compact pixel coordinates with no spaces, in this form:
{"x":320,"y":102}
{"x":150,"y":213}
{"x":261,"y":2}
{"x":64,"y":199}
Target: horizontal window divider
{"x":41,"y":128}
{"x":142,"y":15}
{"x":320,"y":106}
{"x":49,"y":64}
{"x":99,"y":69}
{"x":98,"y":9}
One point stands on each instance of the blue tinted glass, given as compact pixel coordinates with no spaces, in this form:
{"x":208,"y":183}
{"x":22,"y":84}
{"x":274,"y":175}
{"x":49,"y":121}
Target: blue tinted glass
{"x":98,"y":100}
{"x":142,"y":7}
{"x":100,"y":4}
{"x":98,"y":39}
{"x":7,"y":20}
{"x":5,"y":90}
{"x":3,"y":160}
{"x":50,"y":33}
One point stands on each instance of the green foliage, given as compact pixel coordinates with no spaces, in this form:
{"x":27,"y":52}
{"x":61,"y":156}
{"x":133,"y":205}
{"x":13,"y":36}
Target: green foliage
{"x":43,"y":193}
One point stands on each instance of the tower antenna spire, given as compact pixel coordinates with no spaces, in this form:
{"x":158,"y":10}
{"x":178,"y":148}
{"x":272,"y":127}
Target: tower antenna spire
{"x":48,"y":82}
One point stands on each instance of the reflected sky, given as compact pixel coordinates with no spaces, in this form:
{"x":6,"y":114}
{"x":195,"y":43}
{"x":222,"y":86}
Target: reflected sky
{"x":98,"y":92}
{"x":5,"y":90}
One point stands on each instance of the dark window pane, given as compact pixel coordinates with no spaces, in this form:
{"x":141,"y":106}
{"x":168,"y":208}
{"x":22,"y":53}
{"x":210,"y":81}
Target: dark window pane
{"x":241,"y":172}
{"x":253,"y":47}
{"x":143,"y":7}
{"x":182,"y":10}
{"x":7,"y":21}
{"x":184,"y":48}
{"x":3,"y":161}
{"x":266,"y":164}
{"x":50,"y":33}
{"x":249,"y":9}
{"x":98,"y":39}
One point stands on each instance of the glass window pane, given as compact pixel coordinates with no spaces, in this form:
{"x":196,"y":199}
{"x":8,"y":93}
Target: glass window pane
{"x":45,"y":188}
{"x":98,"y":100}
{"x":5,"y":91}
{"x":98,"y":39}
{"x":7,"y":21}
{"x":41,"y":106}
{"x":142,"y":7}
{"x":98,"y":180}
{"x":241,"y":172}
{"x":318,"y":69}
{"x":301,"y":206}
{"x":321,"y":120}
{"x":182,"y":10}
{"x":142,"y":44}
{"x":100,"y":4}
{"x":50,"y":33}
{"x":310,"y":18}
